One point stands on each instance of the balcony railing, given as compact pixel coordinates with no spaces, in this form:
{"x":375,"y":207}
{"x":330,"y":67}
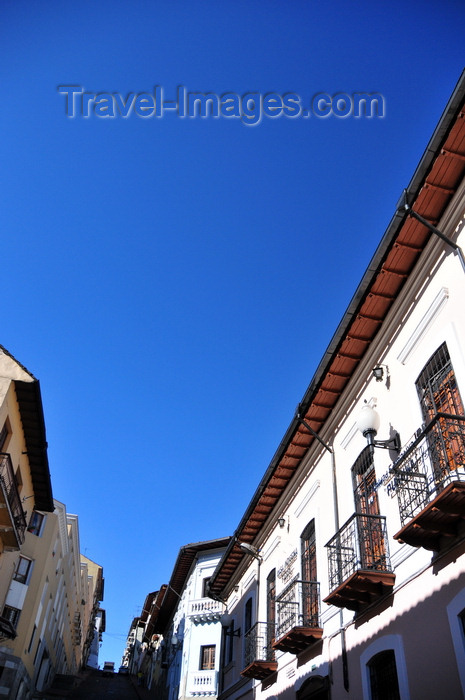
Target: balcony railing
{"x":12,"y":518}
{"x":259,"y":654}
{"x":359,"y":564}
{"x":205,"y":609}
{"x":298,"y":614}
{"x":202,"y":683}
{"x":430,"y":483}
{"x":7,"y":629}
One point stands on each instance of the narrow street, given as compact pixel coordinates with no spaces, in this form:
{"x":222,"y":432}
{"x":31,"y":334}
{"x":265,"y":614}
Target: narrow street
{"x":97,"y":687}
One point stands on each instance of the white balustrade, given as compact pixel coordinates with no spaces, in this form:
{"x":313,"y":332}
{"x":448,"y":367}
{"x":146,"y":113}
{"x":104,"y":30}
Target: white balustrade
{"x":204,"y":609}
{"x":202,"y":683}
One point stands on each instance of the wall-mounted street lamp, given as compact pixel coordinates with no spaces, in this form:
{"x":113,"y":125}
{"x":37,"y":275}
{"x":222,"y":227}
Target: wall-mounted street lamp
{"x":225,"y":620}
{"x":250,"y":549}
{"x":281,"y":522}
{"x":381,"y":374}
{"x":368,"y":423}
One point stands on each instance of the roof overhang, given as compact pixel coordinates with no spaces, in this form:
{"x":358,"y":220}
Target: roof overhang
{"x":32,"y":417}
{"x":431,"y":189}
{"x":186,"y":557}
{"x":156,"y":604}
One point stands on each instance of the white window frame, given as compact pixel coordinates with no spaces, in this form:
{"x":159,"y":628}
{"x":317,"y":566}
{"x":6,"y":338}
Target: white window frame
{"x":19,"y":577}
{"x":454,"y":610}
{"x":390,"y":641}
{"x":40,"y":529}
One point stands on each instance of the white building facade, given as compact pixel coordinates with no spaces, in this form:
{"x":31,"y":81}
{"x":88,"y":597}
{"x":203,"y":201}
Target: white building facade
{"x":353,"y":585}
{"x":183,"y":632}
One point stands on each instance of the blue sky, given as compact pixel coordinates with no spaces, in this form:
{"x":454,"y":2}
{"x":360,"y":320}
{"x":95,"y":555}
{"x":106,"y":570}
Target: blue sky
{"x":174,"y":282}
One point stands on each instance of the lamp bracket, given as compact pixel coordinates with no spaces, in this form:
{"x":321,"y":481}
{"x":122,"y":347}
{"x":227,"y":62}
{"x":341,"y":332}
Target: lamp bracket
{"x":391,"y":444}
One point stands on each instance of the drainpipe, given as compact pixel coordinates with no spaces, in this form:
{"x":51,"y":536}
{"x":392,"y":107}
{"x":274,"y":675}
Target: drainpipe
{"x":345,"y":666}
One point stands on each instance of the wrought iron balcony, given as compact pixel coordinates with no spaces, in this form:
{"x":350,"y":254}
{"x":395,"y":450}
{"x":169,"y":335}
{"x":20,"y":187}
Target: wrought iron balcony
{"x":297,"y":610}
{"x":12,"y":518}
{"x":259,"y":654}
{"x":359,"y":564}
{"x":430,"y":484}
{"x":7,"y":629}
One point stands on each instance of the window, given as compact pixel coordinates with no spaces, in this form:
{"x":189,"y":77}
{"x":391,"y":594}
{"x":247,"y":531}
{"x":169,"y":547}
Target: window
{"x":207,"y":657}
{"x":314,"y":688}
{"x":230,"y":643}
{"x":23,"y":570}
{"x":456,"y":615}
{"x":36,"y":655}
{"x":11,"y":614}
{"x":4,"y":432}
{"x":18,"y":479}
{"x":309,"y":575}
{"x":248,"y":615}
{"x":31,"y":641}
{"x":308,"y":553}
{"x":439,"y":394}
{"x":36,"y":523}
{"x":384,"y":669}
{"x":271,"y":597}
{"x":384,"y":684}
{"x":364,"y":480}
{"x":271,"y":606}
{"x":205,"y":583}
{"x":461,"y":619}
{"x":372,"y":549}
{"x":437,"y":387}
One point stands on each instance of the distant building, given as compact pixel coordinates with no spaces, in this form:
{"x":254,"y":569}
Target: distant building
{"x":134,"y":649}
{"x":93,"y":660}
{"x":179,"y":656}
{"x":346,"y":574}
{"x":47,"y":601}
{"x":93,"y":615}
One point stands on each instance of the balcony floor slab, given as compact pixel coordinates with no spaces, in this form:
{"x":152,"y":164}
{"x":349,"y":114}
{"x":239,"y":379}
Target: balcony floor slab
{"x":361,"y":589}
{"x":440,"y":519}
{"x":260,"y":669}
{"x":298,"y":638}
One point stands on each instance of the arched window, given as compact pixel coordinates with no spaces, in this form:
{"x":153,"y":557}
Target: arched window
{"x":384,"y":669}
{"x":437,"y":387}
{"x":384,"y":684}
{"x":370,"y":531}
{"x":314,"y":688}
{"x":308,"y":552}
{"x":310,"y":606}
{"x":439,"y":394}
